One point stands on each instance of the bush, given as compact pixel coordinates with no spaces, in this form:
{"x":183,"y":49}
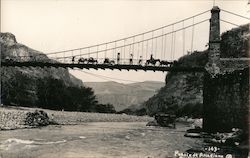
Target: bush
{"x":54,"y":94}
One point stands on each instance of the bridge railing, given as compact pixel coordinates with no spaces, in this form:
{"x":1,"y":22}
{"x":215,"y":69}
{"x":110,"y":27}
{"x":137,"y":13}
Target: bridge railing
{"x":91,"y":60}
{"x":126,"y":61}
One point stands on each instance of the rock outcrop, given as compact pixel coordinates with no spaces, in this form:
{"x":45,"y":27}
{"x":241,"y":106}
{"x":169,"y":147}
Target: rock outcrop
{"x":37,"y":118}
{"x":27,"y":77}
{"x":16,"y":118}
{"x":182,"y":94}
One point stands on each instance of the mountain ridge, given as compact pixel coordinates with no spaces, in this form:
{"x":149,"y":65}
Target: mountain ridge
{"x":124,"y":95}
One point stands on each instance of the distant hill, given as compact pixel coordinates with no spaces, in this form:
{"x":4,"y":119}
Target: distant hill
{"x":123,"y":96}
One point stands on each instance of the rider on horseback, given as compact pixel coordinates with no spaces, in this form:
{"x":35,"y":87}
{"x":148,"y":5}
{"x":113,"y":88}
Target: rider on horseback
{"x":152,"y":60}
{"x":151,"y":57}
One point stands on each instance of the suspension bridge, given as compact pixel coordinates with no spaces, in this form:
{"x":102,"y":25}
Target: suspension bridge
{"x":155,"y":50}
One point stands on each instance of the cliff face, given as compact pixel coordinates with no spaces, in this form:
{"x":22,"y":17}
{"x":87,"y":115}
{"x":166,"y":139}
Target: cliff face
{"x":27,"y":77}
{"x":183,"y":93}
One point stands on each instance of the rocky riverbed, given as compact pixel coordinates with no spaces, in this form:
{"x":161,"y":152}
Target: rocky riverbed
{"x":16,"y":117}
{"x":79,"y":134}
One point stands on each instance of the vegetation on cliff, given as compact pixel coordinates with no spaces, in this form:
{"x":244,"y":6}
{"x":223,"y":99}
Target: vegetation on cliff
{"x":182,"y":94}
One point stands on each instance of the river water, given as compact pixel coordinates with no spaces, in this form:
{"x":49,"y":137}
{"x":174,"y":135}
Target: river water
{"x":91,"y":140}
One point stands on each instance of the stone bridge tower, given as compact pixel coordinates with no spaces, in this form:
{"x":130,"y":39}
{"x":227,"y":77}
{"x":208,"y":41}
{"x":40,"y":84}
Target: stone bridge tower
{"x":226,"y":89}
{"x":213,"y":65}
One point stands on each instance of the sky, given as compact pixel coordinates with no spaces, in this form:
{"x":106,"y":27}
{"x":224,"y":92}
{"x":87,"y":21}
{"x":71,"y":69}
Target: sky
{"x":55,"y":25}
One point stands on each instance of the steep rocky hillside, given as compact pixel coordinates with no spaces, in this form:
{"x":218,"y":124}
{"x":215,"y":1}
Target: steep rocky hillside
{"x":183,"y":93}
{"x":28,"y":76}
{"x":124,"y":95}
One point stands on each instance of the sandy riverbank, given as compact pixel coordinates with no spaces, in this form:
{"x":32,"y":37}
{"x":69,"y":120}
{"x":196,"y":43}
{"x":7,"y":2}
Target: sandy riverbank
{"x":14,"y":117}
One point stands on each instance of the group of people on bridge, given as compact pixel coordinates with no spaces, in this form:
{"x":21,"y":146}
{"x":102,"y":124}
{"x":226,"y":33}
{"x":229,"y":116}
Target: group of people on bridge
{"x":151,"y":61}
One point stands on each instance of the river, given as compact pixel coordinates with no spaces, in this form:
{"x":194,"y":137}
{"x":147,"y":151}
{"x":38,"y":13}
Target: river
{"x":91,"y":140}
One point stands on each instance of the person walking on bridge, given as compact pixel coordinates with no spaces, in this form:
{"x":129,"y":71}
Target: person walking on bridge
{"x":140,"y":60}
{"x":73,"y":59}
{"x":131,"y":59}
{"x":118,"y":58}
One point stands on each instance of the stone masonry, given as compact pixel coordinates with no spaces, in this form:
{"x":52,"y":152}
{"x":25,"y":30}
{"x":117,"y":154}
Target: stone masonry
{"x":226,"y":90}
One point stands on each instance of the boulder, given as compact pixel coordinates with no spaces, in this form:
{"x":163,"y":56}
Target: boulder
{"x":165,"y":120}
{"x":233,"y":138}
{"x":194,"y":132}
{"x":37,"y":118}
{"x":152,"y":123}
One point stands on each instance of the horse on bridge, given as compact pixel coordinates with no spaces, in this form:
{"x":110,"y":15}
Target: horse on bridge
{"x":92,"y":60}
{"x":82,"y":60}
{"x":152,"y":61}
{"x":108,"y":61}
{"x":166,"y":63}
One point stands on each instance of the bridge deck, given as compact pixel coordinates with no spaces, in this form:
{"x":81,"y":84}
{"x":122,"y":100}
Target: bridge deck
{"x":104,"y":66}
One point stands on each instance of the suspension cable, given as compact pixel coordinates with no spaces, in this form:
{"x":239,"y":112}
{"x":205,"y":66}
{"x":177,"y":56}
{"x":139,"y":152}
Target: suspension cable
{"x":133,"y":35}
{"x":106,"y":77}
{"x":152,"y":46}
{"x":138,"y":50}
{"x":150,"y":38}
{"x":230,"y":23}
{"x":174,"y":46}
{"x":124,"y":53}
{"x":97,"y":47}
{"x":183,"y":38}
{"x":172,"y":41}
{"x":133,"y":47}
{"x":235,"y":14}
{"x":105,"y":55}
{"x":156,"y":40}
{"x":129,"y":49}
{"x":88,"y":52}
{"x":162,"y":38}
{"x":192,"y":39}
{"x":142,"y":45}
{"x":165,"y":45}
{"x":147,"y":50}
{"x":114,"y":50}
